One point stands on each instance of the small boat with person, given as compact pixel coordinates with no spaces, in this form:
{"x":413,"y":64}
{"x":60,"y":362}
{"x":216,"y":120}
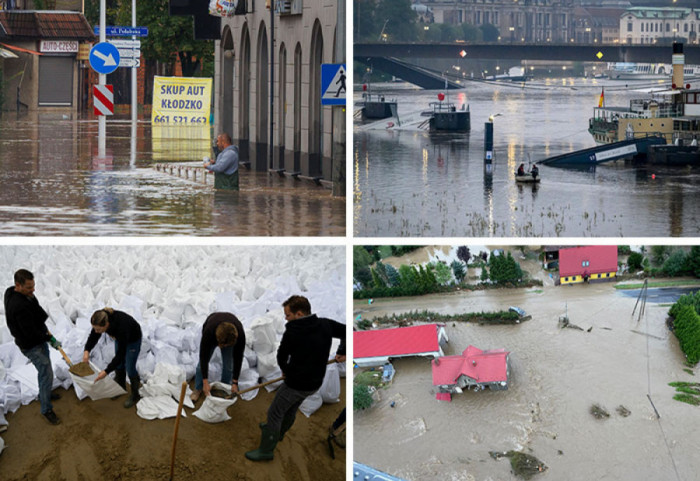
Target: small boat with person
{"x":531,"y":176}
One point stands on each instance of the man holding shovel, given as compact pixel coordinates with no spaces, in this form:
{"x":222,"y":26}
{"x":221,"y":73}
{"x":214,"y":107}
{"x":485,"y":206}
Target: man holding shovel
{"x":224,"y":330}
{"x":26,"y":320}
{"x":302,"y":356}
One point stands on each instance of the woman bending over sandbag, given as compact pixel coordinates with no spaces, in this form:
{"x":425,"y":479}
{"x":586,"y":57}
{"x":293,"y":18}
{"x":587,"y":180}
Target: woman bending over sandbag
{"x":224,"y":330}
{"x":126,"y":333}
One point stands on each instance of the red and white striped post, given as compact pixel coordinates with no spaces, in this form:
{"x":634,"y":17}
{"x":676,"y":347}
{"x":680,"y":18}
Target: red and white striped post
{"x":103,"y":99}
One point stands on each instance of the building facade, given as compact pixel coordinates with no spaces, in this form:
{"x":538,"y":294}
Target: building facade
{"x":254,"y":55}
{"x":45,"y":72}
{"x":587,"y":264}
{"x":647,"y":25}
{"x":516,"y":20}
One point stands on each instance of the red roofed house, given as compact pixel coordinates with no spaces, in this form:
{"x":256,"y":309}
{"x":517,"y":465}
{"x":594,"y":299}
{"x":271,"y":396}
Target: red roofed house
{"x":587,"y":264}
{"x":473,"y":368}
{"x":375,"y":348}
{"x":44,"y":72}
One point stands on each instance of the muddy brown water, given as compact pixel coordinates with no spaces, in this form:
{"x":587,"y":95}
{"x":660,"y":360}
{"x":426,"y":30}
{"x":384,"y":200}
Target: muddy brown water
{"x":556,"y":375}
{"x":81,"y":369}
{"x":55,"y":184}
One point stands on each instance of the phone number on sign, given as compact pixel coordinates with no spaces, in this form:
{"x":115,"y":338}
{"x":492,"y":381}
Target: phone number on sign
{"x":179,"y":119}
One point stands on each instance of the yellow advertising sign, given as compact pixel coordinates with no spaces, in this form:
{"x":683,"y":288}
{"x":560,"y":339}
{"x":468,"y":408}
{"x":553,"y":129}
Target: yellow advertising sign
{"x":181,"y":142}
{"x":181,"y":100}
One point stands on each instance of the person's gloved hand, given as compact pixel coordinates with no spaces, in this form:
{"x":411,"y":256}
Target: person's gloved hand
{"x":54,"y":343}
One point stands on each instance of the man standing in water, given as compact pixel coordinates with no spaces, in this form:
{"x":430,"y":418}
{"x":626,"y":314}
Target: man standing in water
{"x":26,"y":320}
{"x":225,"y":167}
{"x":302,"y":356}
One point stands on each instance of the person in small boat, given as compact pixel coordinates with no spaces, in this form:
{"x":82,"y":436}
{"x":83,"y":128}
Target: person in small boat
{"x":535,"y":171}
{"x":521,"y":169}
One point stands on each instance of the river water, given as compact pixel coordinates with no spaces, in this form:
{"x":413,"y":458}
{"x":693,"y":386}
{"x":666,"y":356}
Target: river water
{"x":408,"y":182}
{"x":54,"y":183}
{"x":556,"y":376}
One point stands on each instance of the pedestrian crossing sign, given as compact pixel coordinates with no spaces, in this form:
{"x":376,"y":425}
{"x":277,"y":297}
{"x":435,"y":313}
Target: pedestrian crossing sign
{"x":333,"y":78}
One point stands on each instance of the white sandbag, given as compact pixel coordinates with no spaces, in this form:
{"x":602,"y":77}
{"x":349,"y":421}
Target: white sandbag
{"x":264,"y":335}
{"x":2,"y":444}
{"x":26,"y":376}
{"x":248,"y":379}
{"x":330,"y":389}
{"x":311,"y":404}
{"x":213,"y":409}
{"x":105,"y":388}
{"x":342,"y":368}
{"x":267,"y":365}
{"x":10,"y":397}
{"x":158,"y":407}
{"x":11,"y":356}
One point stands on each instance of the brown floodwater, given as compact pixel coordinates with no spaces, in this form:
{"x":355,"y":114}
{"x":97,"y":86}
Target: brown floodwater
{"x":55,"y":183}
{"x":556,"y":376}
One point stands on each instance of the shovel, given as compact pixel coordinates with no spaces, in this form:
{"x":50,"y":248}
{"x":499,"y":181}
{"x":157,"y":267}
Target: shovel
{"x":332,"y":437}
{"x":271,"y":381}
{"x":76,"y":368}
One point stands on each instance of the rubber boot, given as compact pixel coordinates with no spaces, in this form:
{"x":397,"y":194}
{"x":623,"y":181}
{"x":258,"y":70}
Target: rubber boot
{"x":120,"y":378}
{"x":134,"y":397}
{"x":268,"y":441}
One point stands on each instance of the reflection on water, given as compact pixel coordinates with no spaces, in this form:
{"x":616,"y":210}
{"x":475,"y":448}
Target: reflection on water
{"x":556,"y":375}
{"x":54,"y":184}
{"x":410,"y":183}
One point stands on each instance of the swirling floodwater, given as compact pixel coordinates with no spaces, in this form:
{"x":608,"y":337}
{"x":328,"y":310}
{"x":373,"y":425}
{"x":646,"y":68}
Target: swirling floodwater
{"x":55,"y":183}
{"x":408,"y":182}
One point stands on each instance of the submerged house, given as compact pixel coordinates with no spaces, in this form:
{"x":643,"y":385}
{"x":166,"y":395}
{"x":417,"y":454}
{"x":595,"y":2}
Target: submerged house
{"x":473,"y":368}
{"x":587,"y":264}
{"x":375,"y":348}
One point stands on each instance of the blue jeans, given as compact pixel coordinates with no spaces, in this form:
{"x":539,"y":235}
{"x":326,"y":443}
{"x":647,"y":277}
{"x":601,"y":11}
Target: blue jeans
{"x":132,"y":355}
{"x":39,"y":356}
{"x":226,"y":371}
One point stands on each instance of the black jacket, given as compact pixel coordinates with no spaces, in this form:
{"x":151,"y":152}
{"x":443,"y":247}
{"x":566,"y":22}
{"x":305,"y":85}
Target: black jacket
{"x":305,"y":348}
{"x":26,"y":319}
{"x":208,"y":342}
{"x":122,"y":328}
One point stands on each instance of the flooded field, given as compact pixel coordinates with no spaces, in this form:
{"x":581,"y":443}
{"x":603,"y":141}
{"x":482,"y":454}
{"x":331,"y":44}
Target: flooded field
{"x":54,"y":183}
{"x":556,"y":376}
{"x":407,"y":182}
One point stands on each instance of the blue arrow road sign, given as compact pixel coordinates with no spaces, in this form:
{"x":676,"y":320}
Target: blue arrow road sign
{"x":333,"y":78}
{"x":104,"y":58}
{"x":115,"y":31}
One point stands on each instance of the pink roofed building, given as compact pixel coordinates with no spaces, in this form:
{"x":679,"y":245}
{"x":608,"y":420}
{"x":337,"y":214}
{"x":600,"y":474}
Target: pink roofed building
{"x":376,"y":347}
{"x":587,"y":264}
{"x":474,"y":368}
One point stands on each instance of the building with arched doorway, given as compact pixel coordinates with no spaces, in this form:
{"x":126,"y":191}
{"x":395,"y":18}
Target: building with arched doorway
{"x":249,"y":55}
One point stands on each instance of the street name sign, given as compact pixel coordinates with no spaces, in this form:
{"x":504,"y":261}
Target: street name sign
{"x":115,"y":31}
{"x":104,"y":58}
{"x":333,"y":87}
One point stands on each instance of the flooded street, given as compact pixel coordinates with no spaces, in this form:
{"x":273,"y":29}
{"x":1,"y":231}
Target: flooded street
{"x":556,"y":376}
{"x":55,"y":184}
{"x":411,"y":183}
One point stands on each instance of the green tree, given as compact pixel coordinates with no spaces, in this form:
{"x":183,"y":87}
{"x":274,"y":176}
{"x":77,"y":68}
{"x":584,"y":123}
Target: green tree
{"x":392,"y":275}
{"x":376,"y":279}
{"x":471,"y":33}
{"x":360,"y":265}
{"x":676,"y":263}
{"x":459,"y":271}
{"x":361,"y":397}
{"x":489,"y":32}
{"x":694,"y":261}
{"x":397,"y":19}
{"x":442,"y":273}
{"x":441,"y":32}
{"x":634,"y":261}
{"x":659,"y":254}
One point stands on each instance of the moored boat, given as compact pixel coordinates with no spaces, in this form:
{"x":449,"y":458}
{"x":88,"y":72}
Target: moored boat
{"x":445,"y":117}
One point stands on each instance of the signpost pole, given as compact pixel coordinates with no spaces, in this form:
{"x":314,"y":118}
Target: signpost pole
{"x":134,"y":91}
{"x":102,"y":126}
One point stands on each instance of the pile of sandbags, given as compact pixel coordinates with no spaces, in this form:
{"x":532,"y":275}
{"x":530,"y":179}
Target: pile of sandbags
{"x":169,"y":290}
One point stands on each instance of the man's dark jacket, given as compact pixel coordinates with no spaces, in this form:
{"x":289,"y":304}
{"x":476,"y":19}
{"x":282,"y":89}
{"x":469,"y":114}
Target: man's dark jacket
{"x":26,"y":319}
{"x":305,"y":348}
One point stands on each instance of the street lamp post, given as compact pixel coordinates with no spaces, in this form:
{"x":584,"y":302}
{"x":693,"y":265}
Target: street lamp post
{"x":512,"y":34}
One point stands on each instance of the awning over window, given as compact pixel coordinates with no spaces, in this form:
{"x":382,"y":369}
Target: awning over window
{"x":20,"y":49}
